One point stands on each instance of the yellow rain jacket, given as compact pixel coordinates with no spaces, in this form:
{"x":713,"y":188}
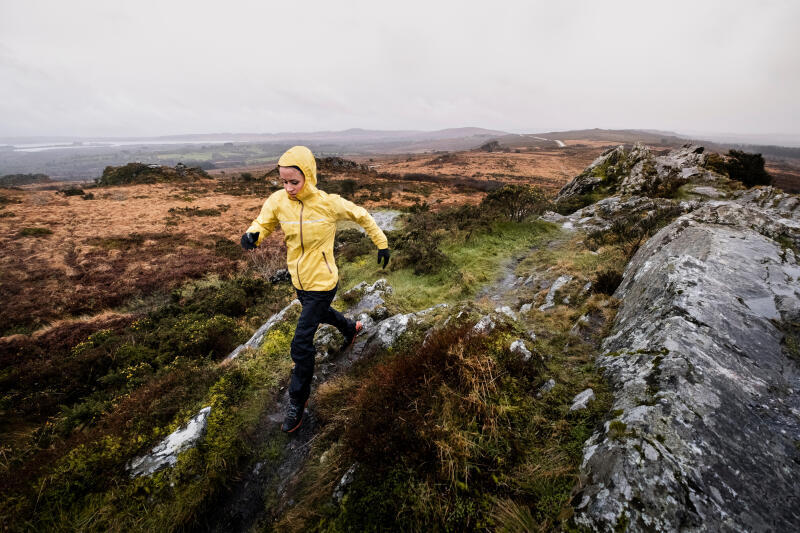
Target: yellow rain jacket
{"x":309,"y":225}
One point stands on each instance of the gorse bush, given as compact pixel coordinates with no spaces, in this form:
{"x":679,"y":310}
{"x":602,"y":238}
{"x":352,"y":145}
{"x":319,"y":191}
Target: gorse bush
{"x":351,"y":243}
{"x":134,"y":173}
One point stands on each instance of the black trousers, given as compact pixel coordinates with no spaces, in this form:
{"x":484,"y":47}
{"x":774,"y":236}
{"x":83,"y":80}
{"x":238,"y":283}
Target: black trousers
{"x":316,"y":309}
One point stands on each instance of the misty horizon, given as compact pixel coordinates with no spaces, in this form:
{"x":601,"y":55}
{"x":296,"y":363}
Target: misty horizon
{"x":66,"y":141}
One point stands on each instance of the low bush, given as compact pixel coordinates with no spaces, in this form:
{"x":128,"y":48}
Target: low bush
{"x":418,"y":246}
{"x":35,"y":232}
{"x":747,"y":168}
{"x":570,"y":204}
{"x":198,"y":212}
{"x":352,"y":243}
{"x":716,"y":163}
{"x":516,"y":202}
{"x":134,"y":173}
{"x":607,"y":281}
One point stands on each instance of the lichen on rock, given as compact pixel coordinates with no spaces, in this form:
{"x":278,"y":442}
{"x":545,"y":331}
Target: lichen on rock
{"x":709,"y":400}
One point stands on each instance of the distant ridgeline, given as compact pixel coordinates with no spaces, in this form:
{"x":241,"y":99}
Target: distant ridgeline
{"x":134,"y":173}
{"x":10,"y":180}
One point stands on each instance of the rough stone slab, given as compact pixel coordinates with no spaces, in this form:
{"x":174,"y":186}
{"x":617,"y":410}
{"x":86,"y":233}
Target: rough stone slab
{"x":258,"y":337}
{"x":484,"y":325}
{"x":710,"y":403}
{"x":372,"y":296}
{"x":388,"y":331}
{"x":166,"y":452}
{"x":547,"y":387}
{"x":506,"y":310}
{"x":519,"y":349}
{"x":549,"y":299}
{"x":582,"y":399}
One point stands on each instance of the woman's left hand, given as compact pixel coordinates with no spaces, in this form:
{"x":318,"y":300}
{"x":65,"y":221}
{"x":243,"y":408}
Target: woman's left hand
{"x":383,"y":254}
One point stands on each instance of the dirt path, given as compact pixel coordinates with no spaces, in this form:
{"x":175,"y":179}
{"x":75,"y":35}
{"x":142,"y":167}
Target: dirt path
{"x":244,"y":505}
{"x":505,"y":290}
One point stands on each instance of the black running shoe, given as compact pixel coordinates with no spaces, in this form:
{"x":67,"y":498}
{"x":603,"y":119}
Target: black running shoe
{"x":348,"y":342}
{"x":294,"y":416}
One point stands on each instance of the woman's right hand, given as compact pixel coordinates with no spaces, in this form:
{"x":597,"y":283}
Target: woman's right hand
{"x":249,"y":240}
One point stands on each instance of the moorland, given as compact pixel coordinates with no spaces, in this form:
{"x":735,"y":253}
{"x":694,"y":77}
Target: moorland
{"x":121,"y":302}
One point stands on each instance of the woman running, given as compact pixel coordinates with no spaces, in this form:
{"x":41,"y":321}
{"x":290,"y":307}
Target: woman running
{"x":308,"y":219}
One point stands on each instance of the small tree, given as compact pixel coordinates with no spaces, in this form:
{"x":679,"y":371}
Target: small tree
{"x":747,"y":168}
{"x":516,"y":202}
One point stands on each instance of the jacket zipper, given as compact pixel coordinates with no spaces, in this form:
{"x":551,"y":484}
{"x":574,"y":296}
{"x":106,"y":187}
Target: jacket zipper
{"x":302,"y":248}
{"x":326,"y":263}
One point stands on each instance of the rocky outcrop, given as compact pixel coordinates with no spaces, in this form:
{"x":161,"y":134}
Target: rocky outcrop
{"x":648,"y":171}
{"x":639,"y":171}
{"x":706,"y":395}
{"x":611,"y":162}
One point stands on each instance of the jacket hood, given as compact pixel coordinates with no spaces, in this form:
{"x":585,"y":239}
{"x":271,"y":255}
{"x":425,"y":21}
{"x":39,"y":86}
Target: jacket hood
{"x":301,"y":157}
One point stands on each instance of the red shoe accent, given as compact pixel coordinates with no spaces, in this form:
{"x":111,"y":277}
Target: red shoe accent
{"x":299,"y":423}
{"x":301,"y":418}
{"x":359,"y":327}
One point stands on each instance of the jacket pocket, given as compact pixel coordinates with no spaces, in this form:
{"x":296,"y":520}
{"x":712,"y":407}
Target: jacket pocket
{"x":325,"y":258}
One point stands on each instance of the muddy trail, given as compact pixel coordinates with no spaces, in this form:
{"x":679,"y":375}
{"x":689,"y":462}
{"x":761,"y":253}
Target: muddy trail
{"x":507,"y":288}
{"x":265,"y":488}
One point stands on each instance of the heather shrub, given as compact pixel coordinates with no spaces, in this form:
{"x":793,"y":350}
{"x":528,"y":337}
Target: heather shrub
{"x":607,"y":281}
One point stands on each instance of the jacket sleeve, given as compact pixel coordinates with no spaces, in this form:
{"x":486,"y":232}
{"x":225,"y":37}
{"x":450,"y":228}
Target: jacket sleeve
{"x":266,"y":221}
{"x":347,"y":210}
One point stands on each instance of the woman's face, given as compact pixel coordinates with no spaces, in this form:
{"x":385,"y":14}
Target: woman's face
{"x":293,"y":180}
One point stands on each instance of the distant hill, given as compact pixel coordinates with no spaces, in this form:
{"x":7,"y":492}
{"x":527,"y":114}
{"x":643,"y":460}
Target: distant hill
{"x":618,"y":136}
{"x":13,"y":180}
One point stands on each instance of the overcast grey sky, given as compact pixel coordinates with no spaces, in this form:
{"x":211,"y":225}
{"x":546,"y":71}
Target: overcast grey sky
{"x":142,"y":67}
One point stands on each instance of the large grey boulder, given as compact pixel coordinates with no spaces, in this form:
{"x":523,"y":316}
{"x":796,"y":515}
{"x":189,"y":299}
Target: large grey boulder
{"x":709,"y":400}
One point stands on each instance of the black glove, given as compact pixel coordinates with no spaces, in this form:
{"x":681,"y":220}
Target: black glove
{"x":249,"y":240}
{"x":383,"y":254}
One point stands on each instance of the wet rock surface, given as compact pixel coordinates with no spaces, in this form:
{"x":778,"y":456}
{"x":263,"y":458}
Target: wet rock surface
{"x":582,"y":399}
{"x":166,"y":452}
{"x":709,"y":400}
{"x":602,"y":214}
{"x":257,"y":339}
